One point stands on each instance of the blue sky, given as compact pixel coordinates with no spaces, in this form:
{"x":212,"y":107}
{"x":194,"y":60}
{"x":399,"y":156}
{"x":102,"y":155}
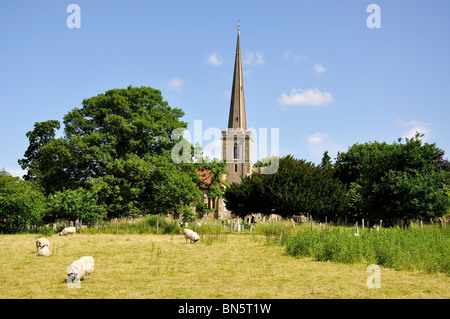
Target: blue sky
{"x":312,"y":69}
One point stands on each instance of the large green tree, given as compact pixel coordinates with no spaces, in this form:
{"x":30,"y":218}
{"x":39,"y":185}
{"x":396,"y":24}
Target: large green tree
{"x":107,"y":127}
{"x":117,"y":145}
{"x":298,"y":187}
{"x":395,"y":182}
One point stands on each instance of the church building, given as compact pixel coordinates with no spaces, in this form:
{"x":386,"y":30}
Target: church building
{"x":237,"y":141}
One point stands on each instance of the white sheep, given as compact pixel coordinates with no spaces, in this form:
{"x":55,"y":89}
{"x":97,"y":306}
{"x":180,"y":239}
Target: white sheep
{"x":80,"y":268}
{"x":41,"y":243}
{"x":44,"y":251}
{"x":191,"y":235}
{"x":68,"y":230}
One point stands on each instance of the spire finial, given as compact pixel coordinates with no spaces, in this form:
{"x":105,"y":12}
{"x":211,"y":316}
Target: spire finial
{"x":239,"y":27}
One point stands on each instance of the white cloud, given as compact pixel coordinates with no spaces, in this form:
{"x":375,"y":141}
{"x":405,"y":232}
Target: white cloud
{"x":316,"y":138}
{"x":412,"y":127}
{"x":213,"y":59}
{"x":296,"y":57}
{"x":256,"y":58}
{"x":312,"y":97}
{"x":175,"y":84}
{"x":320,"y":142}
{"x":319,"y":68}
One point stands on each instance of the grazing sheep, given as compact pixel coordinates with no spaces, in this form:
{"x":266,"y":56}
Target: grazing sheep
{"x":191,"y":235}
{"x":41,"y":243}
{"x":80,"y":268}
{"x":44,"y":251}
{"x":67,"y":230}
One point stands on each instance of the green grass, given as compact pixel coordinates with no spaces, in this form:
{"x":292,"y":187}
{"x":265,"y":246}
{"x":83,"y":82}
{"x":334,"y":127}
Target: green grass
{"x":426,"y":250}
{"x":412,"y":248}
{"x":234,"y":266}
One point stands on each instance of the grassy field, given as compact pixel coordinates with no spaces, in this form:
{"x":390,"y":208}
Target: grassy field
{"x":164,"y":266}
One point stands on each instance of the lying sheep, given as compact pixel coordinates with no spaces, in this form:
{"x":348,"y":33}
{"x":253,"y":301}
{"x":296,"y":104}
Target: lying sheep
{"x":80,"y":268}
{"x":191,"y":235}
{"x":67,"y":230}
{"x":41,"y":243}
{"x":44,"y":251}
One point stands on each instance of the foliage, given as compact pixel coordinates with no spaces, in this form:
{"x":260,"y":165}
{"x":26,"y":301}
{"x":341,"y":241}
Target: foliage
{"x":108,"y":127}
{"x":209,"y":177}
{"x":187,"y":215}
{"x":267,"y":161}
{"x":165,"y":225}
{"x":21,"y":203}
{"x":153,"y":185}
{"x":76,"y":204}
{"x":210,"y":173}
{"x":42,"y":134}
{"x":326,"y":161}
{"x":349,"y":164}
{"x":4,"y":172}
{"x":403,"y":249}
{"x":118,"y":146}
{"x":394,"y":182}
{"x":297,"y":187}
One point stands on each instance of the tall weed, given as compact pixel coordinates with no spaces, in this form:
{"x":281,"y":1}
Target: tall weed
{"x":412,"y":248}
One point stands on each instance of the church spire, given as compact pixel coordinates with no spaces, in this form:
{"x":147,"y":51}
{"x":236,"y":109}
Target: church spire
{"x":237,"y":118}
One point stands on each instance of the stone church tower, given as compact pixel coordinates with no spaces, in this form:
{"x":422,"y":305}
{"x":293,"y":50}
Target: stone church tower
{"x":236,"y":139}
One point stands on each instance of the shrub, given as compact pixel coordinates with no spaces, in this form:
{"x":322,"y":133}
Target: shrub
{"x":75,"y":204}
{"x":165,"y":226}
{"x":21,"y":203}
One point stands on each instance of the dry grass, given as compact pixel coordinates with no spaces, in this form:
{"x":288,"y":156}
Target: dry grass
{"x":164,"y":266}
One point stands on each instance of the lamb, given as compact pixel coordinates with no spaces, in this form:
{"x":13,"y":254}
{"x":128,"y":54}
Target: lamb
{"x":41,"y":243}
{"x":44,"y":251}
{"x":191,"y":235}
{"x":80,"y":268}
{"x":67,"y":230}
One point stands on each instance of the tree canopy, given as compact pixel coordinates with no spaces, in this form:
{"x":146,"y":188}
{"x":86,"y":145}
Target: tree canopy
{"x":117,"y":145}
{"x":21,"y":203}
{"x":395,"y":182}
{"x":298,"y":187}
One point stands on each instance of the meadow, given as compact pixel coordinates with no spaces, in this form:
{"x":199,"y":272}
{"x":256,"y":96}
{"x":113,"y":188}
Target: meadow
{"x":132,"y":261}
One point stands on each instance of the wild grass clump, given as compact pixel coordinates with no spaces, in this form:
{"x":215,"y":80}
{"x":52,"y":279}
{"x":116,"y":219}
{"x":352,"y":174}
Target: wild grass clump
{"x":149,"y":224}
{"x":276,"y":229}
{"x":208,"y":228}
{"x":216,"y":235}
{"x":426,"y":249}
